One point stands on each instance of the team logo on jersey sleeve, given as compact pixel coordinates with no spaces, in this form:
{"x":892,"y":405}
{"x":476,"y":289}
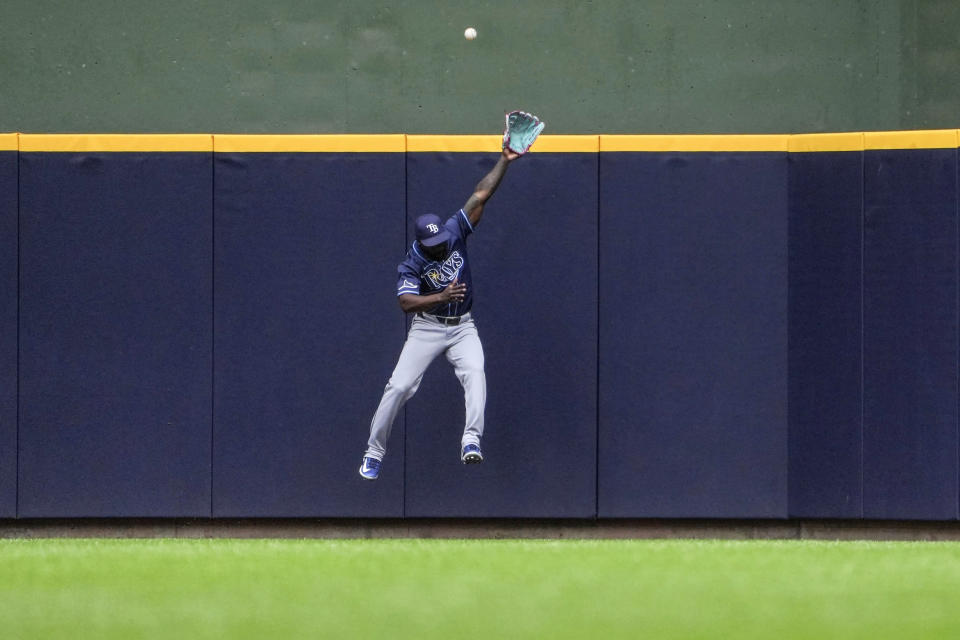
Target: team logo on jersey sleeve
{"x":442,"y":275}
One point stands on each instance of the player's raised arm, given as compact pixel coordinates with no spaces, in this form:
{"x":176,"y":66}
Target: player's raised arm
{"x":486,"y":187}
{"x":522,"y":129}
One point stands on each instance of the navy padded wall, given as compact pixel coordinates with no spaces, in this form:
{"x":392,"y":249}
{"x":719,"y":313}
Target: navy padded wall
{"x":307,"y":330}
{"x":115,"y":334}
{"x":8,"y":334}
{"x":910,"y":334}
{"x":826,"y":204}
{"x":693,"y":335}
{"x":534,"y":264}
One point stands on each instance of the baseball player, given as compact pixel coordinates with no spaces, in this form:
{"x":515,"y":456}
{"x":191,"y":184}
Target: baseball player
{"x":434,"y":283}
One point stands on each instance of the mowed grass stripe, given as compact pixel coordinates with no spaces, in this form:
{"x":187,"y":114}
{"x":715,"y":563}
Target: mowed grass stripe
{"x":477,"y":589}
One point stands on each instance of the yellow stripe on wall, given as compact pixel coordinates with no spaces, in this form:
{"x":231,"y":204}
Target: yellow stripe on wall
{"x":490,"y":144}
{"x":310,"y":143}
{"x":931,"y":139}
{"x":115,"y":142}
{"x":493,"y":144}
{"x":694,"y":143}
{"x":808,"y":142}
{"x":566,"y":144}
{"x":399,"y":143}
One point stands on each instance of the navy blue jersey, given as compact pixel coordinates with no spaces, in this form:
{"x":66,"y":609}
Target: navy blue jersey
{"x":419,"y":275}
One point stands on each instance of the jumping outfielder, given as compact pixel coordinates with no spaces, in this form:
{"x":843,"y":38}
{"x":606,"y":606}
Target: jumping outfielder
{"x":434,"y":282}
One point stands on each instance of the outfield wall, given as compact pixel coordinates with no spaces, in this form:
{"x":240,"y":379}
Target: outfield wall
{"x":674,"y":327}
{"x":8,"y":326}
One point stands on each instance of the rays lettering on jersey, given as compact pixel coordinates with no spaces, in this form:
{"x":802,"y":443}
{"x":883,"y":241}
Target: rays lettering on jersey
{"x":440,"y":277}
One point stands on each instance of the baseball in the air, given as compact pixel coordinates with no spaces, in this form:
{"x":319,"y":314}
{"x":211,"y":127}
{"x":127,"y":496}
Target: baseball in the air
{"x":470,"y":33}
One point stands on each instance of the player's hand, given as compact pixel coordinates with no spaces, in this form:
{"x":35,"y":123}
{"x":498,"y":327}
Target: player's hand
{"x":455,"y":292}
{"x":510,"y":154}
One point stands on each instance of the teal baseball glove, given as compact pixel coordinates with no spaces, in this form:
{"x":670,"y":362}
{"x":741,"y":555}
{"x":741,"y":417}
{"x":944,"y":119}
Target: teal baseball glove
{"x":521,"y":130}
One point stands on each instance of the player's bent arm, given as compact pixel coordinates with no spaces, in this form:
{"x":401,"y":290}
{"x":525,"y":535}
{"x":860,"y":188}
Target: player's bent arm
{"x":412,"y":302}
{"x":486,"y":187}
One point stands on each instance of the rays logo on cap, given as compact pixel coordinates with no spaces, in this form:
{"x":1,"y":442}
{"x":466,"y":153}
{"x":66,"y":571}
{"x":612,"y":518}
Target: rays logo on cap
{"x":430,"y":231}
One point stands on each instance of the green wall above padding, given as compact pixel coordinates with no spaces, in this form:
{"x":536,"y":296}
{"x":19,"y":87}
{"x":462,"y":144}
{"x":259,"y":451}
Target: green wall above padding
{"x":291,"y":66}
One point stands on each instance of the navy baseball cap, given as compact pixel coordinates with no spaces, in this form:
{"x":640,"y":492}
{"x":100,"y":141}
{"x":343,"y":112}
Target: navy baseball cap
{"x":430,"y":230}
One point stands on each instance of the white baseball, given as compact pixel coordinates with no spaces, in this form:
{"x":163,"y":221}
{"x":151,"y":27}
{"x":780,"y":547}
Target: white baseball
{"x":470,"y":33}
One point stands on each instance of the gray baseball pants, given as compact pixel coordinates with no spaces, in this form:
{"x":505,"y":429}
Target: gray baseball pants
{"x":427,"y":339}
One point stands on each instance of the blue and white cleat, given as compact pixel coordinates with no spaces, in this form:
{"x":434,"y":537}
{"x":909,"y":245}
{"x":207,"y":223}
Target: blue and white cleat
{"x":370,"y":469}
{"x":471,"y":454}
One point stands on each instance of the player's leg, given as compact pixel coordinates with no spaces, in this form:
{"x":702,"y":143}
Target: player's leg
{"x":425,"y":341}
{"x":465,"y":353}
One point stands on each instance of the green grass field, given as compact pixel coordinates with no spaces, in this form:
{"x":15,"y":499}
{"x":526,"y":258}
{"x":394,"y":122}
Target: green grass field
{"x":477,"y":589}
